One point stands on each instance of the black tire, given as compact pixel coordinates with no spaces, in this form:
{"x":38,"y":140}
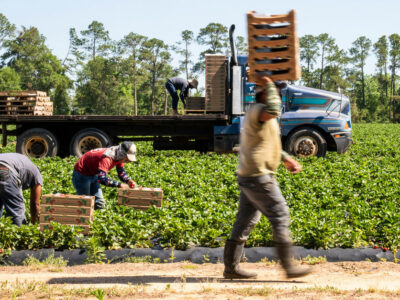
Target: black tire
{"x":37,"y":143}
{"x":88,"y":139}
{"x":306,"y":142}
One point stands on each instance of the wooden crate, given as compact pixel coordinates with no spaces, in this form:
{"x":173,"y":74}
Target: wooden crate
{"x":68,"y":200}
{"x":140,"y":198}
{"x":273,"y":46}
{"x":215,"y":82}
{"x":195,"y":103}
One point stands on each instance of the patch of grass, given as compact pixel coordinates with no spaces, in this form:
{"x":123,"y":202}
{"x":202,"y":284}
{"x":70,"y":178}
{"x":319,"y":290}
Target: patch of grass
{"x":190,"y":267}
{"x":40,"y":290}
{"x":142,"y":259}
{"x":268,"y":262}
{"x":250,"y":291}
{"x":313,"y":260}
{"x":55,"y":264}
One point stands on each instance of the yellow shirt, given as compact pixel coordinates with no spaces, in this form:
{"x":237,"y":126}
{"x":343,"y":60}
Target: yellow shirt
{"x":260,"y":145}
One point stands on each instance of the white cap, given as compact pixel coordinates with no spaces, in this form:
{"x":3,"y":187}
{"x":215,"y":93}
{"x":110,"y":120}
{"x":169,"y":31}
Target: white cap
{"x":130,"y":150}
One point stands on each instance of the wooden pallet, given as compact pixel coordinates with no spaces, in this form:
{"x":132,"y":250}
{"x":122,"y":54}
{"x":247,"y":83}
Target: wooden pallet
{"x":23,"y":93}
{"x":273,"y":46}
{"x":25,"y":103}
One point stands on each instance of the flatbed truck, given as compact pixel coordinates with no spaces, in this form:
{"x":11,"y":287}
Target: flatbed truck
{"x":313,"y":121}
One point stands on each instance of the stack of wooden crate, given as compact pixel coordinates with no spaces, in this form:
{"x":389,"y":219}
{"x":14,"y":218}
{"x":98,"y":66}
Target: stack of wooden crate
{"x":215,"y":83}
{"x":195,"y":105}
{"x":273,"y":46}
{"x":140,"y":198}
{"x":25,"y":103}
{"x":67,"y":209}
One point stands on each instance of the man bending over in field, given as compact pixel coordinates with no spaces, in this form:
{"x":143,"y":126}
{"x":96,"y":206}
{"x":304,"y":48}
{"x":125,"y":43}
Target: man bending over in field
{"x":91,"y":170}
{"x":259,"y":157}
{"x":18,"y":173}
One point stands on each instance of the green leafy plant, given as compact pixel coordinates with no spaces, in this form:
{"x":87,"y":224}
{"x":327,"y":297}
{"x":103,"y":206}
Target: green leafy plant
{"x":348,"y":200}
{"x":94,"y":250}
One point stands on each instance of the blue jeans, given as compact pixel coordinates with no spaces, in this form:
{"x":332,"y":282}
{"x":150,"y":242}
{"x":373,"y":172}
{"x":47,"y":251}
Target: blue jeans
{"x":172,"y":91}
{"x":11,"y":198}
{"x":88,"y":185}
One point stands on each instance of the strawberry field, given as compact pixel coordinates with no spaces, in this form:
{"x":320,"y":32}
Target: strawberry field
{"x":349,"y":200}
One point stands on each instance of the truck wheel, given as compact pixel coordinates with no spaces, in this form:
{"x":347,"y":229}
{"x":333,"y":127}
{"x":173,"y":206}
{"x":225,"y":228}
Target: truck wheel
{"x":306,"y":142}
{"x":37,"y":143}
{"x":88,"y":139}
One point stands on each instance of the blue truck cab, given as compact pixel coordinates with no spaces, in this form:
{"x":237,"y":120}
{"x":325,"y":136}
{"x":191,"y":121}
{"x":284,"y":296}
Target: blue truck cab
{"x":312,"y":121}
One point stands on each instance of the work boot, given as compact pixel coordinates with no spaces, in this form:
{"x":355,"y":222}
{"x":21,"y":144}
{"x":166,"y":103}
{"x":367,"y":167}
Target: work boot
{"x":175,"y":112}
{"x":285,"y":254}
{"x":232,"y":255}
{"x":98,"y":206}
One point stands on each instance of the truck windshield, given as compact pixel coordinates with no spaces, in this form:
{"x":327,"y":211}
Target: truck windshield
{"x":334,"y":106}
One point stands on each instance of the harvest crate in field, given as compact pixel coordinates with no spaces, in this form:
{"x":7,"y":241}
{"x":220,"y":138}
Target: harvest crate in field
{"x":67,"y":209}
{"x":25,"y":103}
{"x":140,"y":198}
{"x":273,"y":46}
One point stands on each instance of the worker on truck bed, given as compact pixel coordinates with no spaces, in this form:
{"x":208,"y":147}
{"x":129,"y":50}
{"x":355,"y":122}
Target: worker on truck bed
{"x":18,"y":173}
{"x":176,"y":83}
{"x":91,"y":170}
{"x":259,"y":156}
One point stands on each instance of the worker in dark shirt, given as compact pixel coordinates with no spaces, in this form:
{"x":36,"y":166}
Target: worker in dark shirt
{"x":18,"y":173}
{"x":176,"y":83}
{"x":91,"y":170}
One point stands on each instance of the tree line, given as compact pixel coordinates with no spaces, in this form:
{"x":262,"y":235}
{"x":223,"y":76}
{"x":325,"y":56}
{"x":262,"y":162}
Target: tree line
{"x":375,"y":97}
{"x":100,"y":75}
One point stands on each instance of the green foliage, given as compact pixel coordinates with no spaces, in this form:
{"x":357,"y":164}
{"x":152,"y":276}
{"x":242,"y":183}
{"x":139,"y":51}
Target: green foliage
{"x":101,"y":88}
{"x":99,"y":294}
{"x":182,"y":48}
{"x":9,"y":80}
{"x":35,"y":67}
{"x":215,"y":37}
{"x":348,"y":200}
{"x":94,"y":250}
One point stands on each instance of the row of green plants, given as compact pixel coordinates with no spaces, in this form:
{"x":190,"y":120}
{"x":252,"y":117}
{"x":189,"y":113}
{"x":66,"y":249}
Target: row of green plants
{"x":349,"y":200}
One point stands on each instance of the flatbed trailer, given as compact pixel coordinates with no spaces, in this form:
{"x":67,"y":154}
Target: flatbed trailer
{"x":63,"y":135}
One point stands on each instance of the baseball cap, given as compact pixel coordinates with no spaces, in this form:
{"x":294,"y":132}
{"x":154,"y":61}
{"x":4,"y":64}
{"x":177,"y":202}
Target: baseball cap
{"x":130,"y":150}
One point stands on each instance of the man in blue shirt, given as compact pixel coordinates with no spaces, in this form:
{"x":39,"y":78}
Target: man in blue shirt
{"x":18,"y":173}
{"x":176,"y":83}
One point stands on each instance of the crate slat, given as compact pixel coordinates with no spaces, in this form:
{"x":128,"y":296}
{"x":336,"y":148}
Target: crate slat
{"x":68,"y":200}
{"x":65,"y":219}
{"x":277,"y":35}
{"x":47,"y":226}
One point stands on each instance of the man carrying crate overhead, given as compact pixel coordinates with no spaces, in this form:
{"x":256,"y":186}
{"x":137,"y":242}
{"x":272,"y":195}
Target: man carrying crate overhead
{"x":259,"y":157}
{"x":91,"y":170}
{"x":18,"y":173}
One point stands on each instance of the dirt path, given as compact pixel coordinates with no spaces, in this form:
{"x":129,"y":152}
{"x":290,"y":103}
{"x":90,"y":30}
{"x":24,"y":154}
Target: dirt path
{"x":349,"y":280}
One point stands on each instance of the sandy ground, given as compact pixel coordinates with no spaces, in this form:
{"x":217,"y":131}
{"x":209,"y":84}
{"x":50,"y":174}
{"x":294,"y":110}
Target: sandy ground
{"x":344,"y":280}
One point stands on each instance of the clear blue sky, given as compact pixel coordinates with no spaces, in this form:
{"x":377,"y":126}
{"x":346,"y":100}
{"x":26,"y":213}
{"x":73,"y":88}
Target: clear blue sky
{"x":345,"y":20}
